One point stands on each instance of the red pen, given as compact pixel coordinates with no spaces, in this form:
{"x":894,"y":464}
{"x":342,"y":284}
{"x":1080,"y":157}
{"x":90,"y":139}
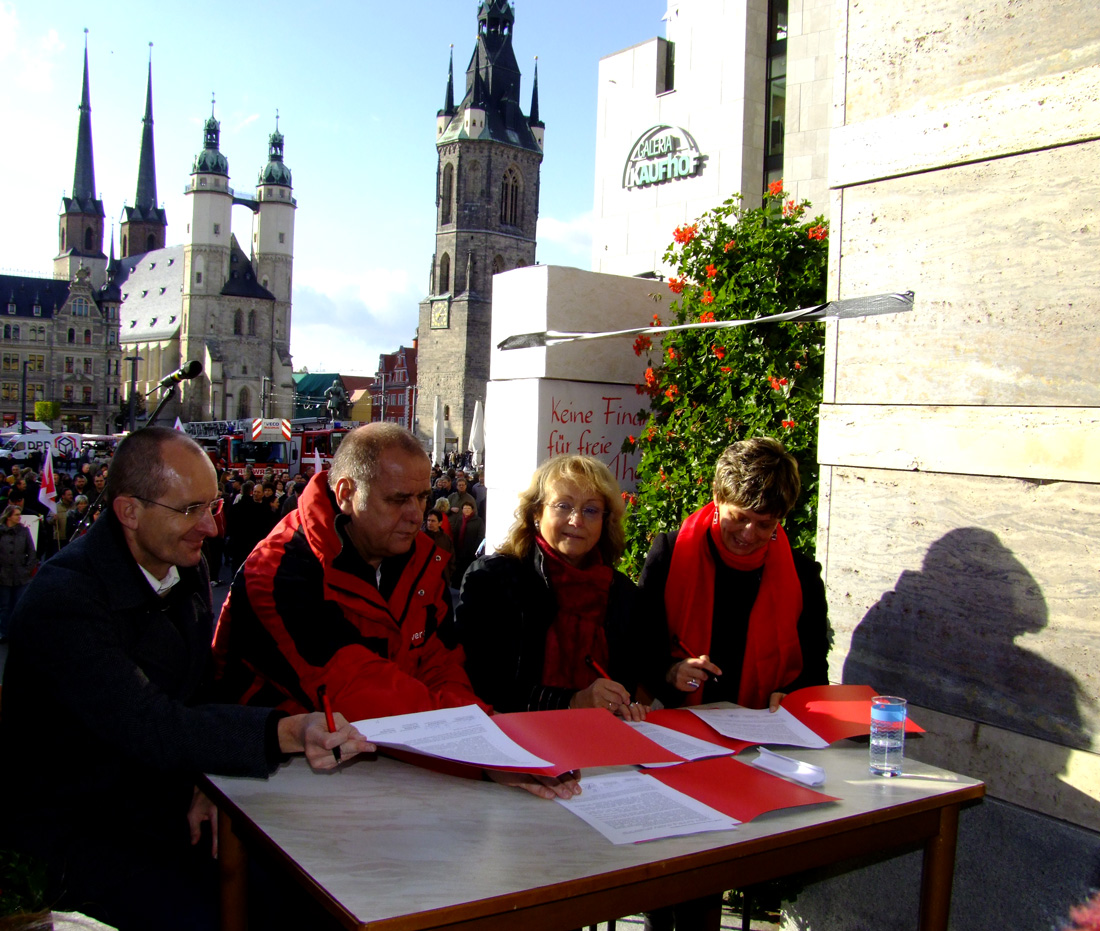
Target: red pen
{"x":322,"y":698}
{"x":693,"y":655}
{"x":594,"y":665}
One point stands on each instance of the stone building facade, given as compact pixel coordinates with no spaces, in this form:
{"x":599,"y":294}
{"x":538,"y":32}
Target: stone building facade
{"x":487,"y":199}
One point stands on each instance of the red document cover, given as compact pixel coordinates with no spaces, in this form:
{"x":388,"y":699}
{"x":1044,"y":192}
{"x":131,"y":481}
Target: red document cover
{"x":837,"y":711}
{"x":676,"y":719}
{"x":580,"y":737}
{"x":736,"y":789}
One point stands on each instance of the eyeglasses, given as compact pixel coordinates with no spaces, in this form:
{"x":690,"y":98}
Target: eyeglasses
{"x":566,"y":511}
{"x":192,"y":511}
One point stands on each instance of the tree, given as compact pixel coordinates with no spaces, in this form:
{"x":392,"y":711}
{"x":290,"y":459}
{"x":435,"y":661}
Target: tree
{"x":47,"y":411}
{"x":708,"y":388}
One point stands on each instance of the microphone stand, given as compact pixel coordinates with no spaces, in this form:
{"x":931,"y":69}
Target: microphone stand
{"x":169,"y":393}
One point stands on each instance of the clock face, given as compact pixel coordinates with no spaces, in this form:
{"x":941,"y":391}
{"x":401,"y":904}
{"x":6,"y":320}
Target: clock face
{"x":440,"y":315}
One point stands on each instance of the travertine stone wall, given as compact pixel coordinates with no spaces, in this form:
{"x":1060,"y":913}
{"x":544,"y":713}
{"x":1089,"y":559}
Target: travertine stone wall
{"x":811,"y":36}
{"x":960,"y":442}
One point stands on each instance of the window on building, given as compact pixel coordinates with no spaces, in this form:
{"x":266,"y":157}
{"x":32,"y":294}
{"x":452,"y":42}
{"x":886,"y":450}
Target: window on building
{"x":510,"y":197}
{"x":11,"y":308}
{"x":444,"y":274}
{"x":87,"y":337}
{"x":87,"y":366}
{"x":252,"y":323}
{"x":282,"y":236}
{"x":11,"y":362}
{"x":69,"y":363}
{"x":217,"y":229}
{"x":15,"y":331}
{"x":198,"y":277}
{"x":80,"y":307}
{"x":238,"y":323}
{"x":87,"y":394}
{"x":7,"y":331}
{"x":498,"y":264}
{"x":110,"y":337}
{"x":68,"y":393}
{"x":124,"y":252}
{"x":88,"y":239}
{"x":9,"y":391}
{"x":666,"y":66}
{"x":36,"y":392}
{"x":72,"y":335}
{"x":446,"y":193}
{"x":775,"y":103}
{"x":38,"y":363}
{"x":150,"y":243}
{"x":37,"y":310}
{"x":244,"y":404}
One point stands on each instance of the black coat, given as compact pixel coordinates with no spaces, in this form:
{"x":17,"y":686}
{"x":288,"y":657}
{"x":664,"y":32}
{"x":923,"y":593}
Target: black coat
{"x":503,"y":613}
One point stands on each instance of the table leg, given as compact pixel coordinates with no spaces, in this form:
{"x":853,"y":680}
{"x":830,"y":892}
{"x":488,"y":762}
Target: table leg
{"x":233,"y":867}
{"x":938,"y":872}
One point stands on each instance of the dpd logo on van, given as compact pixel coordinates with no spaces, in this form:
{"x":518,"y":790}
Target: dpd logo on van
{"x":661,"y":153}
{"x":66,"y":445}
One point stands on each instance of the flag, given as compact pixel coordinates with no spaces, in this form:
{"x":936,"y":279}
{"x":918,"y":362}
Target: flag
{"x":178,"y":425}
{"x":47,"y":490}
{"x":318,"y":465}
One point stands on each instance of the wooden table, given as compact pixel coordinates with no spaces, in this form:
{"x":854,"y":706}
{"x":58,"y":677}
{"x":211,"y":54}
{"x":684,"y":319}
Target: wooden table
{"x":389,"y":846}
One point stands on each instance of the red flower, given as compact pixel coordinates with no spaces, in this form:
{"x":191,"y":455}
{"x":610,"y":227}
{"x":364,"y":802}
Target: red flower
{"x":641,"y":344}
{"x":685,"y":234}
{"x":732,"y":244}
{"x":776,"y":187}
{"x":798,"y":365}
{"x":672,"y":392}
{"x":707,"y":297}
{"x":719,"y":351}
{"x":671,"y":353}
{"x":790,"y":210}
{"x":788,"y":424}
{"x":711,"y":271}
{"x":656,"y":320}
{"x":774,"y":382}
{"x":817,"y":232}
{"x":782,"y":381}
{"x":632,"y":442}
{"x":650,"y":377}
{"x":707,"y":316}
{"x":726,"y":369}
{"x":675,"y":285}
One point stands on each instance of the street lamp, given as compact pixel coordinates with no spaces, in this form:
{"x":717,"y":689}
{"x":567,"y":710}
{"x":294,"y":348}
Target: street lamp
{"x":133,"y":360}
{"x":23,"y":406}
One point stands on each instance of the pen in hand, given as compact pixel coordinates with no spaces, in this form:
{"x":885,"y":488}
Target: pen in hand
{"x":693,"y":655}
{"x":322,"y":698}
{"x":592,"y":664}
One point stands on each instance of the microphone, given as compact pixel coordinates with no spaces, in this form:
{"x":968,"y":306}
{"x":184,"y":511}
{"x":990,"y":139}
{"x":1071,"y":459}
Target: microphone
{"x":190,"y":370}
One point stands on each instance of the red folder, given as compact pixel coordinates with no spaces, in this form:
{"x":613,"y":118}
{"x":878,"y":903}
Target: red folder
{"x":736,"y":789}
{"x":833,"y":712}
{"x":579,"y":738}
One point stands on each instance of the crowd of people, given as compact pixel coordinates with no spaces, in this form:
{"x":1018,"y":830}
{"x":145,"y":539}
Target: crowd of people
{"x":368,"y":581}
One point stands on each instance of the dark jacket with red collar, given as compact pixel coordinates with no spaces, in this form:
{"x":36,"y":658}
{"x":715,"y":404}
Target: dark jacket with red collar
{"x":304,"y":611}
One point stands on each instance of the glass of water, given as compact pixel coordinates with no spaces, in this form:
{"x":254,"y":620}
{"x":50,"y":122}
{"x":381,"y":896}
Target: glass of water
{"x":887,"y":735}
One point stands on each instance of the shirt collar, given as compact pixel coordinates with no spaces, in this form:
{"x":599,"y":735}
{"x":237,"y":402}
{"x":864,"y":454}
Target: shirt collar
{"x":161,"y":586}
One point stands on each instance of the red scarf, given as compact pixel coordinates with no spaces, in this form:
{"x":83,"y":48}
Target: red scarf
{"x":773,"y":655}
{"x":577,"y":631}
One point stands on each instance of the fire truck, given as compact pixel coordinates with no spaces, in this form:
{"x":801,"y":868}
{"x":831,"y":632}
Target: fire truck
{"x":280,"y":445}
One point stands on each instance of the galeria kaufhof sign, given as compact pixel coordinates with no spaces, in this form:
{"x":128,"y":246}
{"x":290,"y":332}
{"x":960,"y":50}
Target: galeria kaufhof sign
{"x":662,"y":153}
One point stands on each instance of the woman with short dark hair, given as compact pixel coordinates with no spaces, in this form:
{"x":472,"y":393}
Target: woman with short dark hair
{"x":745,"y":615}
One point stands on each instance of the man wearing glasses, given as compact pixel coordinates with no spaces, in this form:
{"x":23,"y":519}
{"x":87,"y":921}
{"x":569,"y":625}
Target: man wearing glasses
{"x":105,"y":725}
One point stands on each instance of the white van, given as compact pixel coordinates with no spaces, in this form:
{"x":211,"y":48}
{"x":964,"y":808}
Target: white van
{"x":20,"y":447}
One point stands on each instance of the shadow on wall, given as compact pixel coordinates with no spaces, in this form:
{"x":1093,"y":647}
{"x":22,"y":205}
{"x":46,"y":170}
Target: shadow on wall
{"x":945,"y":639}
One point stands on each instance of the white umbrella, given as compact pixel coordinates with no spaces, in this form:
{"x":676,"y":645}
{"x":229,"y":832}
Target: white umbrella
{"x":477,"y":433}
{"x":437,"y":433}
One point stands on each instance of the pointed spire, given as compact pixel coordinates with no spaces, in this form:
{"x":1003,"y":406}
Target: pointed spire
{"x":449,"y":100}
{"x":84,"y":173}
{"x":477,"y":98}
{"x":533,"y":119}
{"x":146,"y":197}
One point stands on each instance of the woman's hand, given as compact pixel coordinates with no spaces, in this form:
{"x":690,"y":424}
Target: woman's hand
{"x":689,"y":674}
{"x":565,"y":786}
{"x":603,"y":693}
{"x":202,"y":809}
{"x":309,"y":733}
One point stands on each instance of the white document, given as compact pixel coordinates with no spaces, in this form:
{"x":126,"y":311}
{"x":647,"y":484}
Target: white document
{"x":761,"y":727}
{"x":690,"y":748}
{"x":798,"y":770}
{"x":465,"y":734}
{"x":630,"y":807}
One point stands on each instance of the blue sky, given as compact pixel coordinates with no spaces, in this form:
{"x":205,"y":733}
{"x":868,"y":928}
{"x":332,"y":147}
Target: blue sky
{"x":357,"y":86}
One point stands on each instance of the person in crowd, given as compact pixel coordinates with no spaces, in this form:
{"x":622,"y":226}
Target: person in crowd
{"x":17,"y":563}
{"x":280,"y":489}
{"x":460,"y":495}
{"x":442,"y":507}
{"x":250,"y":520}
{"x":442,"y":488}
{"x":294,"y":491}
{"x":546,"y":621}
{"x":434,"y":529}
{"x":346,"y":592}
{"x":62,"y":528}
{"x":467,"y":533}
{"x":111,"y":641}
{"x":745,"y":615}
{"x":477,"y":489}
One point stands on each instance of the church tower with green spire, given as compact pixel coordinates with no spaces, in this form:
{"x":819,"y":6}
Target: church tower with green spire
{"x":487,"y":202}
{"x":80,"y":230}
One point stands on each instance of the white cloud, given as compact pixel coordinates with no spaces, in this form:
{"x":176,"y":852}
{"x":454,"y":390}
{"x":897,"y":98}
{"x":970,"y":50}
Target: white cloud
{"x":248,"y":120}
{"x":30,"y":65}
{"x":565,"y":242}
